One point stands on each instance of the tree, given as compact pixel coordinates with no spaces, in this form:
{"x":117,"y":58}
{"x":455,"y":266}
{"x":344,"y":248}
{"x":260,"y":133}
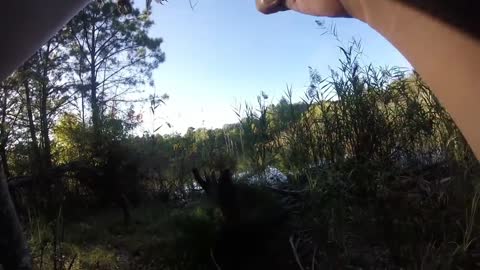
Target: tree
{"x":10,"y":110}
{"x":111,"y":53}
{"x":48,"y":68}
{"x":42,"y":90}
{"x":14,"y":252}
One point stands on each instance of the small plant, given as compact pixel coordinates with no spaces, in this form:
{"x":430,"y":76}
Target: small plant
{"x":468,"y":236}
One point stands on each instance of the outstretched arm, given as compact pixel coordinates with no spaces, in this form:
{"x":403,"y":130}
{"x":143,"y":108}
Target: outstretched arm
{"x":446,"y":57}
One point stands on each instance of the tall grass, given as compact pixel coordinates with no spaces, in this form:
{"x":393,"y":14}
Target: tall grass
{"x":377,"y":150}
{"x":357,"y":116}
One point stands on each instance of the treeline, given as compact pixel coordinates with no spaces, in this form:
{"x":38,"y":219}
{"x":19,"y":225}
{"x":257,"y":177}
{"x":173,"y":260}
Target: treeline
{"x":385,"y":119}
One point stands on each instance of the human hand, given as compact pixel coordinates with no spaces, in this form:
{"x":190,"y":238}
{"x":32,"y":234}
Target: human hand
{"x":329,"y":8}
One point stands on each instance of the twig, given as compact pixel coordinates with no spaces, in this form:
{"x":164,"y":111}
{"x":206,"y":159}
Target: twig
{"x":313,"y":257}
{"x":287,"y":192}
{"x":294,"y":250}
{"x":214,"y":261}
{"x":71,"y":262}
{"x":192,"y":5}
{"x":42,"y":251}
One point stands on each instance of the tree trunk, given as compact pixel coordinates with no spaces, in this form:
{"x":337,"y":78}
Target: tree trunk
{"x":45,"y":162}
{"x":125,"y":205}
{"x":45,"y":139}
{"x":47,"y":156}
{"x":3,"y":156}
{"x":94,"y":103}
{"x":3,"y":133}
{"x":14,"y":252}
{"x":93,"y":86}
{"x":83,"y":108}
{"x":31,"y":127}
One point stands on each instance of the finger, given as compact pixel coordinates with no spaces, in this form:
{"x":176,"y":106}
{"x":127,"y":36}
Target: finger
{"x":271,"y":6}
{"x":329,"y":8}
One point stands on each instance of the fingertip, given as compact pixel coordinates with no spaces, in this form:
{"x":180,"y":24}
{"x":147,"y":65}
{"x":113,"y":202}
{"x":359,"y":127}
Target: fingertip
{"x":270,"y":6}
{"x":262,"y":7}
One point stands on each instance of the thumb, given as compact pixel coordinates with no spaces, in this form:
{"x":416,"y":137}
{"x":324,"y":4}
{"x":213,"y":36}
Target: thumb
{"x":329,"y":8}
{"x":271,"y":6}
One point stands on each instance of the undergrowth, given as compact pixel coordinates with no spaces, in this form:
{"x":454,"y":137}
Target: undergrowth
{"x":379,"y":177}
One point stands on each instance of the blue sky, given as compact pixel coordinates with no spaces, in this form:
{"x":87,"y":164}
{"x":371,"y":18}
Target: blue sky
{"x":224,"y":53}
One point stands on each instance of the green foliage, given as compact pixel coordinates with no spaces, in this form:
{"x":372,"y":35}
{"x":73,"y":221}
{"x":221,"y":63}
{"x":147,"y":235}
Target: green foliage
{"x":257,"y":131}
{"x":163,"y":238}
{"x":111,"y":53}
{"x":192,"y":242}
{"x":72,"y":140}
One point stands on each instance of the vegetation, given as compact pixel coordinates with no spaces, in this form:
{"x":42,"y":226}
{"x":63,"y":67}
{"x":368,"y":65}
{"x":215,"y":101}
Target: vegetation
{"x":377,"y":173}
